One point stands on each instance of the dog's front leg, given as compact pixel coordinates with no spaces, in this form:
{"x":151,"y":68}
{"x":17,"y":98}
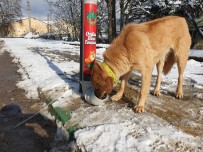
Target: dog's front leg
{"x":146,"y":79}
{"x":120,"y":92}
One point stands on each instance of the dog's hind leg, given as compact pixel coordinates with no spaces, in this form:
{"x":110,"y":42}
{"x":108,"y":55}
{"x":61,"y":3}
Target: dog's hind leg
{"x":181,"y":62}
{"x":159,"y":66}
{"x":146,"y":79}
{"x":120,"y":92}
{"x":182,"y":58}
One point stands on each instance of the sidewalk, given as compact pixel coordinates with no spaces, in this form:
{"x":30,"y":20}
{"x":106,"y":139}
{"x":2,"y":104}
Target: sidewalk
{"x":35,"y":135}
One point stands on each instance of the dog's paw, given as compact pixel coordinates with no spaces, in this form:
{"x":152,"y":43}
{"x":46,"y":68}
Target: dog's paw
{"x":116,"y":97}
{"x":179,"y":95}
{"x":156,"y":93}
{"x":139,"y":109}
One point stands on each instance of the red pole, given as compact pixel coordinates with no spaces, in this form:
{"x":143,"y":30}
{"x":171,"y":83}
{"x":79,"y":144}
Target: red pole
{"x":88,"y":38}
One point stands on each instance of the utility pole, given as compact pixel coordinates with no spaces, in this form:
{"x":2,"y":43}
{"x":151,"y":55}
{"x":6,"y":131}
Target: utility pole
{"x":28,"y":11}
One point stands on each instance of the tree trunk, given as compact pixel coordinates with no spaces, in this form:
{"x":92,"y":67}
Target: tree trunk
{"x":109,"y":6}
{"x":122,"y":14}
{"x":74,"y":23}
{"x":113,"y":3}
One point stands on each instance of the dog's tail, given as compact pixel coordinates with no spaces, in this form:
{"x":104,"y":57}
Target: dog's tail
{"x":170,"y":60}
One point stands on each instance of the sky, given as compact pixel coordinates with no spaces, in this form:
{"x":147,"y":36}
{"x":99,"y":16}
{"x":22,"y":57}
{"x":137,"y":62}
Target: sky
{"x":106,"y":128}
{"x":39,"y":9}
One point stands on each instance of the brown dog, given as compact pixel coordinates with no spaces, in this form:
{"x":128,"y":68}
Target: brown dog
{"x":139,"y":47}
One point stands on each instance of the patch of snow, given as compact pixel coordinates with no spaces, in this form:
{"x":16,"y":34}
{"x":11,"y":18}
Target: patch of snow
{"x":31,"y":35}
{"x":196,"y":53}
{"x":109,"y":130}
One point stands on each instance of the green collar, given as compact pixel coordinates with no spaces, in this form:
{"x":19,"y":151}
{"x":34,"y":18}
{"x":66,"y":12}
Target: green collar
{"x":110,"y":72}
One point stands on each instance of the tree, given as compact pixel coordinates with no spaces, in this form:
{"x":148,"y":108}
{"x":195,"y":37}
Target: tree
{"x":130,"y":11}
{"x":67,"y":12}
{"x":145,"y":10}
{"x":125,"y":10}
{"x":70,"y":13}
{"x":111,"y":5}
{"x":9,"y":10}
{"x":102,"y":20}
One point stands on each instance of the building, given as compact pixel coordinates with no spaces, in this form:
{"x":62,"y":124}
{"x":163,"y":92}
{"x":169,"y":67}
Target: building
{"x":61,"y":28}
{"x":20,"y":28}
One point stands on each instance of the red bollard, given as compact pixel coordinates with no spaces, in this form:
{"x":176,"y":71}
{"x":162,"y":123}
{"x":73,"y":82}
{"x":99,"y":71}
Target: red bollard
{"x":88,"y":39}
{"x":88,"y":51}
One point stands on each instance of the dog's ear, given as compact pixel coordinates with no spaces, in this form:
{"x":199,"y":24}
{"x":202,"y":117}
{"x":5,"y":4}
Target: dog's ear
{"x":109,"y":82}
{"x":97,"y":65}
{"x":95,"y":74}
{"x":100,"y":79}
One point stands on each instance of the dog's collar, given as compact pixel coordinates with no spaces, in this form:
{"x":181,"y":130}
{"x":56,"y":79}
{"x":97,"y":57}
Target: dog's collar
{"x":110,"y":72}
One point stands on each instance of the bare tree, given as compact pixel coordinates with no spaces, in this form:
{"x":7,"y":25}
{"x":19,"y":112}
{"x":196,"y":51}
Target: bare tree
{"x":9,"y":10}
{"x":145,"y":10}
{"x":67,"y":12}
{"x":125,"y":12}
{"x":111,"y":6}
{"x":70,"y":13}
{"x":102,"y":20}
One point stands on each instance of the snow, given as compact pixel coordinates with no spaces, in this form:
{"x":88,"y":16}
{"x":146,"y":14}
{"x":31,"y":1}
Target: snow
{"x":104,"y":128}
{"x":196,"y":53}
{"x":39,"y":72}
{"x":130,"y":137}
{"x":113,"y":128}
{"x":193,"y":71}
{"x":31,"y":35}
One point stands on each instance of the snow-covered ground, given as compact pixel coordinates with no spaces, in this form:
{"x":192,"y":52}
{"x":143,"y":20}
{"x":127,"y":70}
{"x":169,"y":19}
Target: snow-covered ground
{"x":44,"y":68}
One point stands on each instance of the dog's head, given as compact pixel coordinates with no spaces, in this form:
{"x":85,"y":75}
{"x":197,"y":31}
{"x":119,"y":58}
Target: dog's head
{"x":101,"y":81}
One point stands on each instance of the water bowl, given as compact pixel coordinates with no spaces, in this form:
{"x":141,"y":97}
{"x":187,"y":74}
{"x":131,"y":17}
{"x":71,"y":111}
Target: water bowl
{"x":91,"y":98}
